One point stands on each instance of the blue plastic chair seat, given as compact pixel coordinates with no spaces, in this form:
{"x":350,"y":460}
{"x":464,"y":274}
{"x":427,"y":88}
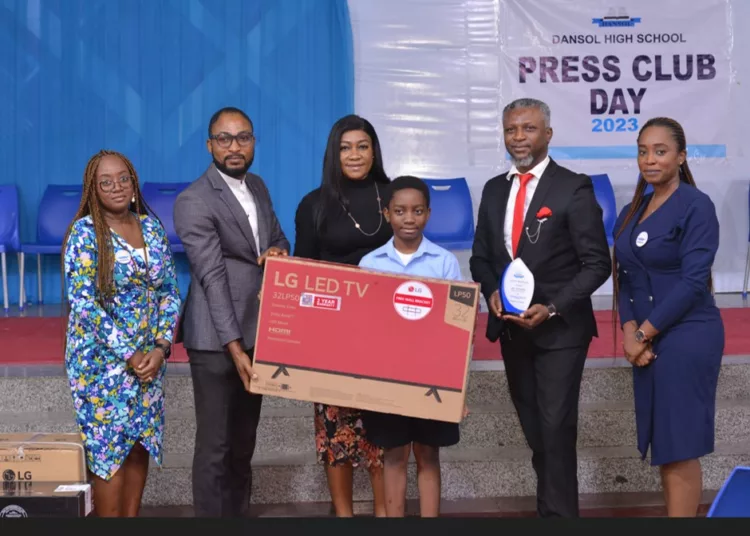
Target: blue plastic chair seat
{"x":733,"y":499}
{"x":9,"y":230}
{"x":56,"y":210}
{"x":9,"y":219}
{"x":451,"y":223}
{"x":605,"y":196}
{"x":161,"y":197}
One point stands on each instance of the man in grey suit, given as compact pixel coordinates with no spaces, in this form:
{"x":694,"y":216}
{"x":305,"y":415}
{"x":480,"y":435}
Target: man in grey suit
{"x":228,"y":227}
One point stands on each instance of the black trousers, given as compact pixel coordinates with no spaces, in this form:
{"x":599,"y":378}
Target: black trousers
{"x":227,"y":419}
{"x":544,"y":387}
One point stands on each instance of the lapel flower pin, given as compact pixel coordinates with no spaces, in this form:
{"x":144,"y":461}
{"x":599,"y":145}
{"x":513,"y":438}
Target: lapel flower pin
{"x":542,"y":215}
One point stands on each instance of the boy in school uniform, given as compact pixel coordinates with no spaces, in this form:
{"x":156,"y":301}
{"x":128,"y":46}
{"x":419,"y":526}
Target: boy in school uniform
{"x":409,"y":252}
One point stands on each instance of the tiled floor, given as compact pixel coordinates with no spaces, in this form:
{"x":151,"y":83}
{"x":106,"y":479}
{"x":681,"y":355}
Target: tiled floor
{"x":601,"y":505}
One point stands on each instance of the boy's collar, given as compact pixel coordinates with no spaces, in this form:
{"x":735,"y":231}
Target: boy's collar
{"x":425,"y":248}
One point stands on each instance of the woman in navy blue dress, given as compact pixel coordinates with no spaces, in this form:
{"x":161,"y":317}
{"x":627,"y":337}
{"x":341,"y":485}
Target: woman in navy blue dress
{"x":673,"y":333}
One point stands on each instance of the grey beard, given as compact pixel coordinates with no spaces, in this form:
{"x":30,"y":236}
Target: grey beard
{"x":523,"y":162}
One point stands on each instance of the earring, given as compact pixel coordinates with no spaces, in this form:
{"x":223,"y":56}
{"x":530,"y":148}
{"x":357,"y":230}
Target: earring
{"x":133,"y":199}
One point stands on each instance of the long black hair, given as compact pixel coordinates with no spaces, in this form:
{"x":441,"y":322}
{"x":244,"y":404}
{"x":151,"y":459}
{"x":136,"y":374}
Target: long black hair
{"x":332,"y":197}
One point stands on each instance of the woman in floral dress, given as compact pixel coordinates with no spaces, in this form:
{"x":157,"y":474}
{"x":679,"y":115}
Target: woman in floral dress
{"x":123,"y":306}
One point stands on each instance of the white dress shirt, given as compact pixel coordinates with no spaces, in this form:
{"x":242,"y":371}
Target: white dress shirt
{"x":245,"y":197}
{"x":514,"y":187}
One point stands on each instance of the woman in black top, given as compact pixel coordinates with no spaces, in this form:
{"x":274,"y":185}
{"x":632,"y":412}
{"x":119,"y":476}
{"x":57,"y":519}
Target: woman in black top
{"x":341,"y":222}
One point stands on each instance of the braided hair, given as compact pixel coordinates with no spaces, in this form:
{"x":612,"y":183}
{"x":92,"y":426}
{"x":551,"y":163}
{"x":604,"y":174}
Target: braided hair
{"x":685,"y":175}
{"x":90,"y":206}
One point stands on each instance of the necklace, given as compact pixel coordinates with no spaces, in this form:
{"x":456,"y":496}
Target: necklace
{"x":380,"y":212}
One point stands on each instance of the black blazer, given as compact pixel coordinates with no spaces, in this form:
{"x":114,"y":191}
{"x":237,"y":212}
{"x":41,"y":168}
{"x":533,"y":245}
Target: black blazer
{"x":570,"y":259}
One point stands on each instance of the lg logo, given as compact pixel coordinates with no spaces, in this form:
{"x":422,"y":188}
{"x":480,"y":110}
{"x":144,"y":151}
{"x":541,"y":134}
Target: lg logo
{"x":9,"y":475}
{"x":13,"y":511}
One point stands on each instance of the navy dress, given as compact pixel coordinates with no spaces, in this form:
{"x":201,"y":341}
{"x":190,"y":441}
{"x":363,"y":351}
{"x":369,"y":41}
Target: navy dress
{"x":664,"y":264}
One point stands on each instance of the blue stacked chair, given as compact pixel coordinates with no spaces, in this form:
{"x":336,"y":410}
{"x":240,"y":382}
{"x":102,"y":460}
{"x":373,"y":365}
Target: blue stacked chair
{"x":605,"y":196}
{"x":59,"y":205}
{"x":161,"y":196}
{"x":10,"y":241}
{"x":733,"y":499}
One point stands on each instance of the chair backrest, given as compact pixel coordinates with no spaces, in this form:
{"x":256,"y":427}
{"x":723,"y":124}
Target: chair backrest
{"x":733,"y":499}
{"x":605,"y":196}
{"x":57,"y":208}
{"x":161,"y":196}
{"x":452,"y":213}
{"x":9,"y":217}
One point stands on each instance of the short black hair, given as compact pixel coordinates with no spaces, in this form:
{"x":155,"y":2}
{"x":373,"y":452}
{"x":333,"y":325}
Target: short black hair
{"x":405,"y":182}
{"x":227,"y":110}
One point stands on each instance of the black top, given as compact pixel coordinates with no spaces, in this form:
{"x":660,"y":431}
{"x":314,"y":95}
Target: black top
{"x":341,"y":241}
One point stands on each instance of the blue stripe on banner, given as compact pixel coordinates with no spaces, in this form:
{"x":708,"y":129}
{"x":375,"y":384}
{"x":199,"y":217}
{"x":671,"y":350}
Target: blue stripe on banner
{"x":607,"y":152}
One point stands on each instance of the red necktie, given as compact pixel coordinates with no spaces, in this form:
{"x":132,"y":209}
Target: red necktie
{"x":518,"y":209}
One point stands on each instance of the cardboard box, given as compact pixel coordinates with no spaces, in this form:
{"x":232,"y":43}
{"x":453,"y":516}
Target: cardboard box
{"x":345,"y":336}
{"x":45,"y":499}
{"x":42,"y":458}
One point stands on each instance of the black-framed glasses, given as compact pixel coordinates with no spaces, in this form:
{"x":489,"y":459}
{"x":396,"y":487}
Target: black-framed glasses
{"x":108,"y":184}
{"x":225,"y":139}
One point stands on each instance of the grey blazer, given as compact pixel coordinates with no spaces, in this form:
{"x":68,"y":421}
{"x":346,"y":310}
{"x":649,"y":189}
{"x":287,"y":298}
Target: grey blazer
{"x":222,"y":300}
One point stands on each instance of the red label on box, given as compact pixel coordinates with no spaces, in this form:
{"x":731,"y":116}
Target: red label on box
{"x":318,"y":301}
{"x":342,"y":320}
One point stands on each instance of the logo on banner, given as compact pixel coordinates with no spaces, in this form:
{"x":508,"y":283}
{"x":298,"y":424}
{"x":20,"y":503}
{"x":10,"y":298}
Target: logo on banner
{"x":413,"y":300}
{"x":618,"y":19}
{"x":320,"y":301}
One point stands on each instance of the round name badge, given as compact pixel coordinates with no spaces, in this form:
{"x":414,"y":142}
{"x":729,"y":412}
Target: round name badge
{"x":122,"y":256}
{"x":641,"y":239}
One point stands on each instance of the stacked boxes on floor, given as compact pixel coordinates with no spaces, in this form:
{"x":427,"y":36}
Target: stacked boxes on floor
{"x":43,"y":475}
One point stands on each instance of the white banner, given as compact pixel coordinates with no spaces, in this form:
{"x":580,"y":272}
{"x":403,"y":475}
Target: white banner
{"x":433,"y":77}
{"x":605,"y":69}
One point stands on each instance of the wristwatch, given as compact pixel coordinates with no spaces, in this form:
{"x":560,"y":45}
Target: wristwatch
{"x":552,"y":310}
{"x":640,"y":336}
{"x":166,"y":348}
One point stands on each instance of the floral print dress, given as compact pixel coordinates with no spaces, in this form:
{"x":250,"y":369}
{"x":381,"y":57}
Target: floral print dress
{"x":113,"y":408}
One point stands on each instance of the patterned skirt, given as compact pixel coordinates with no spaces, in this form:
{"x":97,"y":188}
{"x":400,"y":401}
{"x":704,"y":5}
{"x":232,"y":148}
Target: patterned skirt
{"x":340,"y":438}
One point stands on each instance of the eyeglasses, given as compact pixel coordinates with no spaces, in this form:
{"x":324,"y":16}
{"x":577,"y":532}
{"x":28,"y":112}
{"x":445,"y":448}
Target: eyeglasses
{"x":224,"y":139}
{"x":107,"y":184}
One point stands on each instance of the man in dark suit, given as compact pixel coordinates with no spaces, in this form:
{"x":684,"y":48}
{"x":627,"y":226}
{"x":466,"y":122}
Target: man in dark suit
{"x":547,"y":216}
{"x":228,"y":227}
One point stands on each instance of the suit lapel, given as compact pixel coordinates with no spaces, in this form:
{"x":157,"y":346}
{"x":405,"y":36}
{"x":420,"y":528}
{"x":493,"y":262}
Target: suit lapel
{"x":626,"y":246}
{"x":263,"y":216}
{"x":234,"y":206}
{"x":545,"y":181}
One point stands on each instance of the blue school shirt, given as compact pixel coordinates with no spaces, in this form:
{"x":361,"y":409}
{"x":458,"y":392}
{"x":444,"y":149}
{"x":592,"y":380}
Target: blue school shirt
{"x":430,"y":260}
